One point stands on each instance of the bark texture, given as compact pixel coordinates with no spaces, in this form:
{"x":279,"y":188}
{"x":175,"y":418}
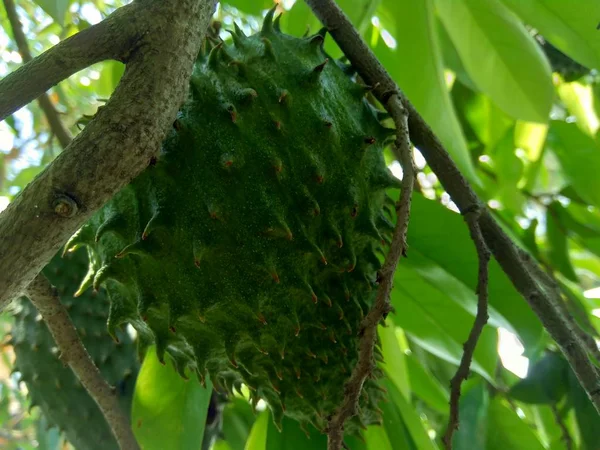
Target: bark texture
{"x":159,"y":41}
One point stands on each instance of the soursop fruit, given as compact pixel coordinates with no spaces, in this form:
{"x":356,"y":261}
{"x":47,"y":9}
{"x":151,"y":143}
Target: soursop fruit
{"x":52,"y":386}
{"x":249,"y":249}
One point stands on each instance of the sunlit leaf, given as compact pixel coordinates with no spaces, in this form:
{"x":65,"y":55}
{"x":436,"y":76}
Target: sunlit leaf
{"x":55,"y":8}
{"x":168,"y":411}
{"x":258,"y":435}
{"x":417,"y":67}
{"x":572,"y":28}
{"x":500,"y":56}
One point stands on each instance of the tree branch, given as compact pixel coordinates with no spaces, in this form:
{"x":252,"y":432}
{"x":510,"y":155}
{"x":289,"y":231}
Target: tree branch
{"x":56,"y":125}
{"x":45,"y":298}
{"x":480,"y":320}
{"x":164,"y":38}
{"x":503,"y":249}
{"x":381,"y":308}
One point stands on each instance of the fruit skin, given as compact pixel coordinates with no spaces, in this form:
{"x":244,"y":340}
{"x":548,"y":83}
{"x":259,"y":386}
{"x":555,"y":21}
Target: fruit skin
{"x":249,"y":249}
{"x":52,"y":386}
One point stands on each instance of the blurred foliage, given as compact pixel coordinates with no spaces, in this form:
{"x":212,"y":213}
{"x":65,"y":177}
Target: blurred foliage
{"x":512,"y":89}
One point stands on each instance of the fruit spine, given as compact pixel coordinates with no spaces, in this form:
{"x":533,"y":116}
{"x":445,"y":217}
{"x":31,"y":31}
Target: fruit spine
{"x":249,"y":249}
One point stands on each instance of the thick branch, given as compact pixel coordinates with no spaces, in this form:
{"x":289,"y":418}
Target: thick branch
{"x":113,"y":38}
{"x":45,"y":298}
{"x":117,"y":144}
{"x":503,"y":249}
{"x":480,"y":320}
{"x":368,"y":333}
{"x":56,"y":125}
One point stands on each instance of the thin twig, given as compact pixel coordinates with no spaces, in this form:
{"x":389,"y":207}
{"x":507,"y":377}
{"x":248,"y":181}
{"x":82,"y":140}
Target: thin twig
{"x":368,"y":327}
{"x":56,"y":125}
{"x":502,"y":247}
{"x":72,"y":352}
{"x":566,"y":436}
{"x":481,"y":318}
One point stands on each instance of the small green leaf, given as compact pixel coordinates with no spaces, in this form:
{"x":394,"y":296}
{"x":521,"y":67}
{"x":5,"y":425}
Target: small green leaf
{"x":500,"y":56}
{"x":168,"y":411}
{"x":558,"y":250}
{"x":55,"y":9}
{"x":546,"y":381}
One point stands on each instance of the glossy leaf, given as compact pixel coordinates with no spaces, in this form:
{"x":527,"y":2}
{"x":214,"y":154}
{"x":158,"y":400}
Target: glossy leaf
{"x":168,"y":411}
{"x":394,"y":359}
{"x":569,"y":27}
{"x":425,"y":386}
{"x":579,"y":156}
{"x":417,"y":67}
{"x":546,"y":381}
{"x":473,"y":414}
{"x":500,"y":56}
{"x":414,"y":426}
{"x":506,"y":430}
{"x":441,"y":235}
{"x":258,"y":435}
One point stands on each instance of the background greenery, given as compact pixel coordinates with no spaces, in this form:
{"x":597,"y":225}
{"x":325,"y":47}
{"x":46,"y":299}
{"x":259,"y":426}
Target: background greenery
{"x":511,"y":88}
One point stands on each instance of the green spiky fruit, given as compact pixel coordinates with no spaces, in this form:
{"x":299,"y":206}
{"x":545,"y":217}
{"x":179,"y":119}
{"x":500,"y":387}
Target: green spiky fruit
{"x":52,"y":386}
{"x":249,"y":249}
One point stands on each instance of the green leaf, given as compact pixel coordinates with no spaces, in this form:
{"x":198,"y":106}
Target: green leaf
{"x":417,"y":67}
{"x":377,"y":439}
{"x":258,"y":435}
{"x":473,"y":414}
{"x":168,"y":411}
{"x":578,"y":98}
{"x":588,"y":420}
{"x":55,"y":9}
{"x":394,"y":428}
{"x":428,"y":234}
{"x":546,"y":381}
{"x":410,"y":417}
{"x":579,"y":156}
{"x":394,"y":359}
{"x":500,"y":56}
{"x":506,"y":430}
{"x":25,"y":176}
{"x":568,"y":26}
{"x":437,"y":323}
{"x":558,"y":250}
{"x":238,"y":419}
{"x":426,"y":386}
{"x":292,"y":437}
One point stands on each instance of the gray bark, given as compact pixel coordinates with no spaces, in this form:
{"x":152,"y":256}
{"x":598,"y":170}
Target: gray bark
{"x":159,"y":41}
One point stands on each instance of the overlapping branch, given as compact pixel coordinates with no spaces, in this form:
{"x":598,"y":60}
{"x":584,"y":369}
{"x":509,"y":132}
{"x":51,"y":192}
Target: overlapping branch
{"x":158,"y":41}
{"x":56,"y":125}
{"x":481,"y":319}
{"x":381,"y":308}
{"x":72,"y":352}
{"x":504,"y":250}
